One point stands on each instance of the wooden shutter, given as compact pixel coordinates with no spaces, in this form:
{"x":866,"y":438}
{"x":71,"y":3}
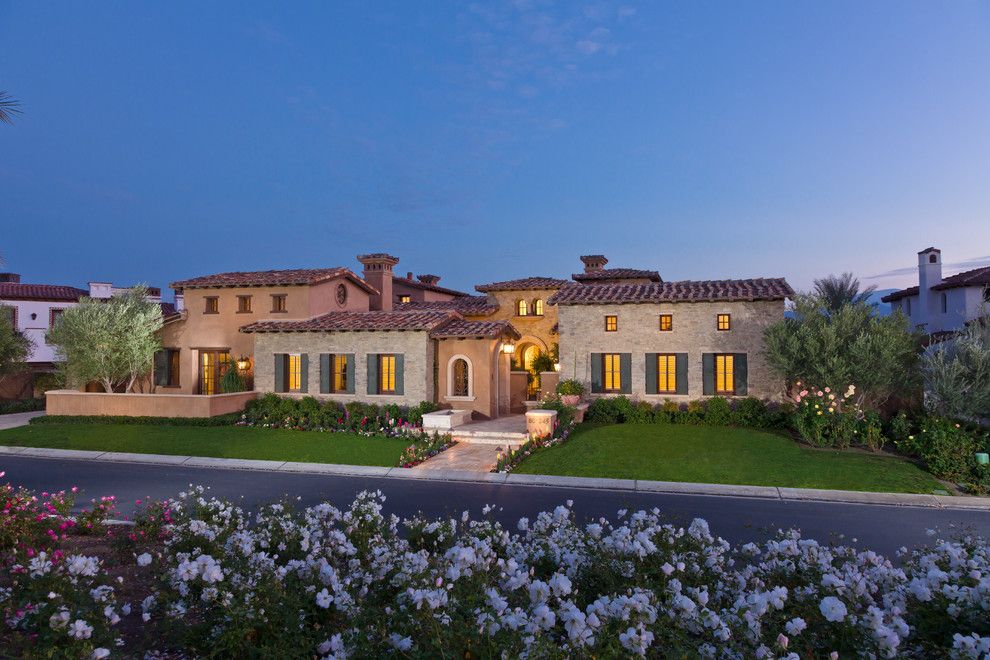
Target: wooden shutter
{"x":625,"y":372}
{"x":351,"y":372}
{"x":741,"y":373}
{"x":325,"y":373}
{"x":651,"y":373}
{"x":161,"y":367}
{"x":682,"y":372}
{"x":596,"y":372}
{"x":400,"y":372}
{"x":304,"y":372}
{"x":708,"y":373}
{"x":372,"y":373}
{"x":280,"y":372}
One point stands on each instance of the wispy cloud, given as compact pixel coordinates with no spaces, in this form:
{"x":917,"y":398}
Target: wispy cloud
{"x":947,"y":268}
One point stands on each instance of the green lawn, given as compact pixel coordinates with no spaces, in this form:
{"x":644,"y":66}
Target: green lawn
{"x":704,"y":454}
{"x":216,"y":441}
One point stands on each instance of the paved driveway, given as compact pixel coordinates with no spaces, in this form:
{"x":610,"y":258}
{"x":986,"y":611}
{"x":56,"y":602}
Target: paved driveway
{"x":14,"y":420}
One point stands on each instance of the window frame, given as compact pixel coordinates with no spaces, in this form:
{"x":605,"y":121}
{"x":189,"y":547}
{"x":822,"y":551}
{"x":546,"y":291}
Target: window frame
{"x":293,"y":372}
{"x":669,"y":318}
{"x":613,"y":321}
{"x":211,"y":304}
{"x":280,"y":303}
{"x":12,"y":315}
{"x":615,"y":372}
{"x":945,"y":303}
{"x":405,"y":298}
{"x":725,"y":376}
{"x":452,"y":392}
{"x":538,"y":307}
{"x":522,"y":308}
{"x":53,"y":315}
{"x":668,"y":374}
{"x":173,"y":366}
{"x":244,"y":302}
{"x":385,"y":359}
{"x":728,"y":322}
{"x":338,"y":373}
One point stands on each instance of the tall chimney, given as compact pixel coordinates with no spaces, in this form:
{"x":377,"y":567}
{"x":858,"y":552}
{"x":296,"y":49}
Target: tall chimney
{"x":593,"y":262}
{"x":929,"y":275}
{"x":378,"y":273}
{"x":13,"y":278}
{"x":428,"y":279}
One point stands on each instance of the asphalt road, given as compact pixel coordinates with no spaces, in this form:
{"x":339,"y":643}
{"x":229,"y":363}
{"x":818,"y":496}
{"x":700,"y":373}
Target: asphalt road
{"x":882,"y":528}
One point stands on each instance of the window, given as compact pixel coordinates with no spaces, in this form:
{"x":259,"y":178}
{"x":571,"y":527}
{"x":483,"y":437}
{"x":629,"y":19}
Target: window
{"x":460,"y":384}
{"x":294,"y":372}
{"x":53,"y":315}
{"x":386,"y":374}
{"x":723,"y":322}
{"x":538,"y":307}
{"x":212,"y":366}
{"x":522,"y":309}
{"x":243,"y":304}
{"x":907,"y":306}
{"x":612,"y":372}
{"x":945,"y":303}
{"x":167,"y":367}
{"x":611,"y":323}
{"x":404,"y":298}
{"x":666,"y":373}
{"x":338,"y":373}
{"x":212,"y":305}
{"x":278,"y":303}
{"x":933,"y":258}
{"x":725,"y":377}
{"x":10,"y":313}
{"x":666,"y":322}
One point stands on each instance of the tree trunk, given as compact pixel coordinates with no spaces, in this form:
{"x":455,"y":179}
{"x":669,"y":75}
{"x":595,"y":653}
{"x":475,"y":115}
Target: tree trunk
{"x":107,"y":385}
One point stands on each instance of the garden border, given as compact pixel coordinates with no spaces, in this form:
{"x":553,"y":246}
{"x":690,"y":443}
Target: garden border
{"x":538,"y":480}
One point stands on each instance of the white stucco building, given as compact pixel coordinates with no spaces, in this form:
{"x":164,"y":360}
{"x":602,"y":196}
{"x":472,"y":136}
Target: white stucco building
{"x":940,"y":304}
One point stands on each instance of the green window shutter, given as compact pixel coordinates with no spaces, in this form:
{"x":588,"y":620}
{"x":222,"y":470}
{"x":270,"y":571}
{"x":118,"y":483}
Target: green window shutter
{"x":708,"y":373}
{"x":324,"y":373}
{"x":625,"y":372}
{"x":351,"y":372}
{"x":596,"y":372}
{"x":651,"y":373}
{"x":682,"y":373}
{"x":280,"y":372}
{"x":400,"y":372}
{"x":161,"y":368}
{"x":372,"y":373}
{"x":304,"y":372}
{"x":741,"y":374}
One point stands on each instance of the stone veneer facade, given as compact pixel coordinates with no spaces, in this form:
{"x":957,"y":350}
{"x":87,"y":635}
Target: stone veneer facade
{"x":534,"y":329}
{"x":415,"y":345}
{"x":582,"y":332}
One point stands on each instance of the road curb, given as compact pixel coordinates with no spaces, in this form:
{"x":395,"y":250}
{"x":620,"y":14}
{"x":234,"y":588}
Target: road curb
{"x":511,"y":479}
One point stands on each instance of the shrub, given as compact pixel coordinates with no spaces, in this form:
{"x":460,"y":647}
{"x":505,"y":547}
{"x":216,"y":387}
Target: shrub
{"x":565,"y":413}
{"x":957,"y":373}
{"x":232,"y":380}
{"x":718,"y":412}
{"x":826,"y":419}
{"x":219,"y":420}
{"x":872,"y":432}
{"x":21,"y":405}
{"x":570,"y":387}
{"x":947,"y":449}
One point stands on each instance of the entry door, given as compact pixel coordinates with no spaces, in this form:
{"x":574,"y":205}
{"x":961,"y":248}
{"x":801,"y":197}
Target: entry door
{"x":212,"y":366}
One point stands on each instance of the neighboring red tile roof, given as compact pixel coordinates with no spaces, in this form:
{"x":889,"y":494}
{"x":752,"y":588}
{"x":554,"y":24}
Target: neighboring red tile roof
{"x":427,"y":286}
{"x":298,"y":276}
{"x":461,"y":328}
{"x":976,"y":277}
{"x":18,"y":291}
{"x":347,"y":321}
{"x":616,"y":274}
{"x":523,"y":284}
{"x":685,"y":291}
{"x":467,"y":305}
{"x":168,"y":309}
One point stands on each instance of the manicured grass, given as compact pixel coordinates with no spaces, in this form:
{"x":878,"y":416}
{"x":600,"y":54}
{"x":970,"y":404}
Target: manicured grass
{"x":721,"y":455}
{"x":220,"y":442}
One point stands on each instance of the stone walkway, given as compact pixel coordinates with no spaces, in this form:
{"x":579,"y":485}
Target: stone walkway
{"x":463,"y":456}
{"x":13,"y":420}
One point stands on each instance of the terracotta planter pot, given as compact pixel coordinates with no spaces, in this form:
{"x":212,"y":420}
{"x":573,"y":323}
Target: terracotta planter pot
{"x":570,"y":399}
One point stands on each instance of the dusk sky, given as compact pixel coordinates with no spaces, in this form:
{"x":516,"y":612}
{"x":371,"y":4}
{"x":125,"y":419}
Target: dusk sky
{"x":487,"y":141}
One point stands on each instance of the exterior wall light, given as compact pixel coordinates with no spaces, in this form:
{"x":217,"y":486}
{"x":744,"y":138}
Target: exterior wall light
{"x":556,"y":366}
{"x":508,"y":349}
{"x":243,"y":363}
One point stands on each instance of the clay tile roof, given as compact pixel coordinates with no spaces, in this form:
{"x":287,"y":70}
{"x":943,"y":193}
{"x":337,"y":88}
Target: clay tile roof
{"x":355,"y":321}
{"x":684,"y":291}
{"x":18,"y":291}
{"x":427,"y":286}
{"x":297,"y":276}
{"x":523,"y":284}
{"x":976,"y":277}
{"x":461,"y":328}
{"x":617,"y":274}
{"x":467,"y":305}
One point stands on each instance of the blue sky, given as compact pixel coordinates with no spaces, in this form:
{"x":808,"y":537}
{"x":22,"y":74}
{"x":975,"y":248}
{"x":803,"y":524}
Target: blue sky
{"x":492,"y":140}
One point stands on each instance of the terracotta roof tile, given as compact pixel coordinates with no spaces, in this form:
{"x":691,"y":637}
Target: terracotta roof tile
{"x":616,"y":274}
{"x":18,"y":291}
{"x":523,"y":284}
{"x":355,"y":321}
{"x":297,"y":276}
{"x":467,"y":305}
{"x":427,"y":286}
{"x":976,"y":277}
{"x":461,"y":328}
{"x":684,"y":291}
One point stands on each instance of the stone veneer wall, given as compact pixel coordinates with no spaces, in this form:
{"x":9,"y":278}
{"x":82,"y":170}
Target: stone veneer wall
{"x":582,"y":332}
{"x":416,"y":347}
{"x":535,"y":327}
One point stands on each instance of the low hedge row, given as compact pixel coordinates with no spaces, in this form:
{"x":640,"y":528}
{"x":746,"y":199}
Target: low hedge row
{"x":21,"y":405}
{"x":716,"y":411}
{"x":311,"y":413}
{"x":220,"y":420}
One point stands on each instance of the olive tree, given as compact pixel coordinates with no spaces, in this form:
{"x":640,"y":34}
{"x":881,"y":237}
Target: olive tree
{"x":851,"y":345}
{"x":14,"y":346}
{"x":957,"y":373}
{"x":109,"y":341}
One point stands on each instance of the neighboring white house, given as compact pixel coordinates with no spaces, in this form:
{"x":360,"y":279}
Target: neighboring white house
{"x":940,"y":304}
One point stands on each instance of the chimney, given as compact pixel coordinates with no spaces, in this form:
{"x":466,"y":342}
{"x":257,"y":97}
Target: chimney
{"x":594,"y":262}
{"x":929,"y":275}
{"x":12,"y":278}
{"x":180,"y":301}
{"x":378,"y":273}
{"x":409,"y":275}
{"x":429,"y":279}
{"x":100,"y":290}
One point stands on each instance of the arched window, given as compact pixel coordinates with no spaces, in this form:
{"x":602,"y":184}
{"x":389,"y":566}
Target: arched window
{"x":522,"y":308}
{"x":538,"y":307}
{"x":460,"y":376}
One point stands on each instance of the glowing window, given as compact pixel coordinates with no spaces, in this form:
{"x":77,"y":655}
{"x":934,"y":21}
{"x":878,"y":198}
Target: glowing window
{"x":666,"y":322}
{"x":338,"y":366}
{"x":666,"y":374}
{"x":460,"y":384}
{"x":612,"y":372}
{"x":405,"y":299}
{"x":522,"y":309}
{"x":294,"y":373}
{"x":538,"y":307}
{"x":723,"y":322}
{"x":386,"y":374}
{"x":725,"y":382}
{"x":611,"y":323}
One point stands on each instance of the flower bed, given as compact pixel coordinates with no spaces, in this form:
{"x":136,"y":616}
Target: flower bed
{"x":429,"y":447}
{"x":563,"y":426}
{"x":217,"y":580}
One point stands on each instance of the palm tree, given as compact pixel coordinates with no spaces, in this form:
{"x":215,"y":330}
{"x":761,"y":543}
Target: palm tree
{"x":9,"y":106}
{"x":837,"y":291}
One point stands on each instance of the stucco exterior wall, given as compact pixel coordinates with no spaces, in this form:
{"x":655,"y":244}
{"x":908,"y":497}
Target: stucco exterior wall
{"x":582,"y":332}
{"x":415,"y":346}
{"x":482,"y":355}
{"x":35,"y":329}
{"x":73,"y":402}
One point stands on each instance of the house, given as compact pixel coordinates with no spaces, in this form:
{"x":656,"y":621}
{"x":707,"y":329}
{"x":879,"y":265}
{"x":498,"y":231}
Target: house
{"x":938,"y":304}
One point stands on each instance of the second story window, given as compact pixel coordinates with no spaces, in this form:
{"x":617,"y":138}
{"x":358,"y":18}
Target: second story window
{"x":723,"y":322}
{"x":212,"y":305}
{"x":522,"y":308}
{"x":278,"y":303}
{"x":53,"y":315}
{"x":611,"y":323}
{"x":404,"y":298}
{"x":666,"y":322}
{"x":538,"y":307}
{"x":243,"y":304}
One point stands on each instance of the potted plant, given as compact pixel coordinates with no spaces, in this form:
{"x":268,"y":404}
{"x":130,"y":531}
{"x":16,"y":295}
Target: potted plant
{"x":570,"y":391}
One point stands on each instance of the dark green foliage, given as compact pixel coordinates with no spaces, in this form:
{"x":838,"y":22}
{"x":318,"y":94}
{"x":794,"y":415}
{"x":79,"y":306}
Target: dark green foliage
{"x":565,"y":413}
{"x":717,"y":411}
{"x":311,"y":413}
{"x":947,"y":448}
{"x":219,"y":420}
{"x":232,"y":381}
{"x":21,"y":405}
